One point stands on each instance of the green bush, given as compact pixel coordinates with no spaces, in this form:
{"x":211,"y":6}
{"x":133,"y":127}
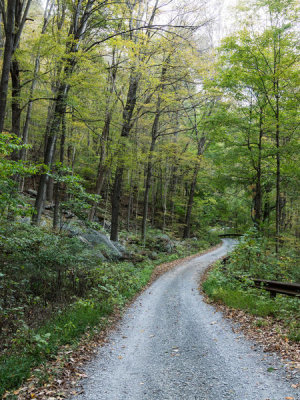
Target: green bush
{"x":64,"y":280}
{"x":252,"y":258}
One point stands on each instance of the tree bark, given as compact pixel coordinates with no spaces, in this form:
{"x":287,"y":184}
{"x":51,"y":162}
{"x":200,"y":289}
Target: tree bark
{"x":102,"y":169}
{"x":258,"y":188}
{"x":57,"y":185}
{"x":127,"y":124}
{"x":50,"y":150}
{"x":78,"y":26}
{"x":16,"y":93}
{"x":187,"y":227}
{"x":7,"y":57}
{"x":278,"y":160}
{"x":23,"y":153}
{"x":148,"y":184}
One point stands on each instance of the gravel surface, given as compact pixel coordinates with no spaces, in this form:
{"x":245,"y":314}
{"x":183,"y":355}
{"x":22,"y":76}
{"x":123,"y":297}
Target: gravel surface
{"x":172,"y":345}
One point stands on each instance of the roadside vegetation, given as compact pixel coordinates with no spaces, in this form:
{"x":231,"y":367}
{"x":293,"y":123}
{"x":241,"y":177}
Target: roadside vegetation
{"x":56,"y":289}
{"x":253,"y":257}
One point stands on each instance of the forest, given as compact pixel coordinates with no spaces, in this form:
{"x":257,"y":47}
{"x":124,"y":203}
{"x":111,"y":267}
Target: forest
{"x":135,"y":132}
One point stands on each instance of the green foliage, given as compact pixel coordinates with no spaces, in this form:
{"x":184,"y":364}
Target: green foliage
{"x":252,"y":258}
{"x":77,"y":199}
{"x":51,"y":298}
{"x":10,"y":200}
{"x":34,"y":272}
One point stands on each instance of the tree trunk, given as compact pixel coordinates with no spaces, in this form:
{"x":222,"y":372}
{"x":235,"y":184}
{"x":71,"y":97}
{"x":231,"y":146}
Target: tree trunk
{"x":117,"y":187}
{"x":258,"y":188}
{"x":129,"y":202}
{"x":147,"y":187}
{"x":1,"y":37}
{"x":8,"y":51}
{"x":115,"y":203}
{"x":57,"y":186}
{"x":16,"y":93}
{"x":165,"y":197}
{"x":102,"y":169}
{"x":187,"y":228}
{"x":59,"y":111}
{"x":278,"y":161}
{"x":36,"y":69}
{"x":78,"y":26}
{"x":154,"y":136}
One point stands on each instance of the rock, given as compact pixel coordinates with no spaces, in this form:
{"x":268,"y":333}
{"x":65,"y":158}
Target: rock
{"x":106,"y":225}
{"x":69,"y":215}
{"x":100,"y":255}
{"x":24,"y":220}
{"x":105,"y":246}
{"x":119,"y":246}
{"x":164,"y":243}
{"x":108,"y":248}
{"x":82,"y":239}
{"x":73,"y":229}
{"x":153,"y":255}
{"x":49,"y":206}
{"x":31,"y":192}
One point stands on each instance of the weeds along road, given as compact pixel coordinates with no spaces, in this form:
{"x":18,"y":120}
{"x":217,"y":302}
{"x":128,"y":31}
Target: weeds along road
{"x":172,"y":345}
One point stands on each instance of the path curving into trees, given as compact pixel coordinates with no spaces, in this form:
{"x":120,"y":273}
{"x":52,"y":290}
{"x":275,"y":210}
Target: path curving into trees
{"x":172,"y":345}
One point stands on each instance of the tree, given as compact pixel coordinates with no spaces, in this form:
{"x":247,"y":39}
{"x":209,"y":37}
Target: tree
{"x":259,"y":73}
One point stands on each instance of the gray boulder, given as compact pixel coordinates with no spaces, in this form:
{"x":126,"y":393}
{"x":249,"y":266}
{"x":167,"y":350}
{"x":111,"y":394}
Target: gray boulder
{"x":32,"y":192}
{"x":107,"y":246}
{"x":24,"y":220}
{"x":165,"y":243}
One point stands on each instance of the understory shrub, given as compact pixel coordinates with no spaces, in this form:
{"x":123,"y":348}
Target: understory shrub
{"x":231,"y":283}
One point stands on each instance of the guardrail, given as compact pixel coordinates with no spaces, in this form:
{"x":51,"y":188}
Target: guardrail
{"x":224,"y":235}
{"x":274,"y":287}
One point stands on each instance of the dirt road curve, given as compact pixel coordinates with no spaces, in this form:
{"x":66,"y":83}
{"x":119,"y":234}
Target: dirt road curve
{"x":171,"y":345}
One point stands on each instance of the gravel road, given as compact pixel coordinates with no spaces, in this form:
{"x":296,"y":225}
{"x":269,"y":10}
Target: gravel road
{"x":172,"y":345}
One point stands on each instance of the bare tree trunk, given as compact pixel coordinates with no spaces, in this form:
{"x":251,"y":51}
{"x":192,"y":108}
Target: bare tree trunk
{"x":278,"y":160}
{"x":16,"y":93}
{"x":187,"y":228}
{"x":50,"y":150}
{"x":57,"y":186}
{"x":137,"y":204}
{"x":78,"y":26}
{"x":1,"y":37}
{"x":129,"y":203}
{"x":258,"y":188}
{"x":117,"y":187}
{"x":154,"y":136}
{"x":115,"y":203}
{"x":147,"y":188}
{"x":36,"y":69}
{"x":172,"y":193}
{"x":165,"y":197}
{"x":7,"y":57}
{"x":102,"y":169}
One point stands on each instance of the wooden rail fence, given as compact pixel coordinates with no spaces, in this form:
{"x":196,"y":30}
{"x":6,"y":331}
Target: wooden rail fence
{"x":274,"y":287}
